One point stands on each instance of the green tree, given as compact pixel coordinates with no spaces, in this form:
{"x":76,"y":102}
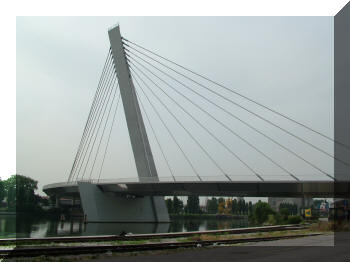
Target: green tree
{"x":284,"y":213}
{"x":291,"y":208}
{"x":178,"y":205}
{"x":235,"y":206}
{"x":261,"y":212}
{"x":241,"y":206}
{"x":20,"y":193}
{"x":212,"y":206}
{"x":10,"y":191}
{"x":246,"y":208}
{"x":2,"y":190}
{"x":193,"y":205}
{"x":169,"y":205}
{"x":250,"y":208}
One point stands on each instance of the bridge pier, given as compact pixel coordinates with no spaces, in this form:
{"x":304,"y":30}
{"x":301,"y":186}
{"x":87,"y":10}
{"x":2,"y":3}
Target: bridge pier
{"x":100,"y":206}
{"x":57,"y":202}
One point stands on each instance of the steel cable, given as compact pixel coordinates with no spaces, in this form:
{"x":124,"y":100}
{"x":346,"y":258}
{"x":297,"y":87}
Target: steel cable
{"x":103,"y":131}
{"x":192,"y":137}
{"x":155,"y":135}
{"x":239,"y":94}
{"x":109,"y":136}
{"x":98,"y":112}
{"x":231,"y":114}
{"x":287,"y":149}
{"x":242,"y":107}
{"x":169,"y":131}
{"x":90,"y":117}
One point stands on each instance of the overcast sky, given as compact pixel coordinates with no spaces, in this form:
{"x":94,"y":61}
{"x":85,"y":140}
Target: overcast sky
{"x":285,"y":63}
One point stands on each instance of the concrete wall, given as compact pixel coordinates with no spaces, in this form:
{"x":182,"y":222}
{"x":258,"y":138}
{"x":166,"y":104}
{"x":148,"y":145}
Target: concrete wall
{"x":107,"y":207}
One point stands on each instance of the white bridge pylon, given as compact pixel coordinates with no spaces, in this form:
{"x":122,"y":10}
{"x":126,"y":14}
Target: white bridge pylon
{"x":138,"y":136}
{"x":101,"y":207}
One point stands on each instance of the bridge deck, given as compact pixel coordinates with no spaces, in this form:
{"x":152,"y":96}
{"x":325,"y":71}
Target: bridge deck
{"x":213,"y":188}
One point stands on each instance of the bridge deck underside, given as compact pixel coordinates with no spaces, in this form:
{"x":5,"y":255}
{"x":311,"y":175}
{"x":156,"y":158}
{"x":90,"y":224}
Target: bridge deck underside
{"x":248,"y":189}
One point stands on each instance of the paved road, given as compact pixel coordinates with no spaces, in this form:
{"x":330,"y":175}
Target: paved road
{"x":323,"y":240}
{"x":261,"y":252}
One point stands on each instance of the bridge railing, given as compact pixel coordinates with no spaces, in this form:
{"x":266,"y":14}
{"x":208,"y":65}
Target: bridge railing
{"x":271,"y":177}
{"x":214,"y":178}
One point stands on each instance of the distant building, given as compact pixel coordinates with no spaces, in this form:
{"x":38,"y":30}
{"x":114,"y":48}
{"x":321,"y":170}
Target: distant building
{"x":340,"y":210}
{"x":275,"y":202}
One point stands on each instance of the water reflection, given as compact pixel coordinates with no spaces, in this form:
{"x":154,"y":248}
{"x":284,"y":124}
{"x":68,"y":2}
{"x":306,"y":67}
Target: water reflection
{"x":30,"y":227}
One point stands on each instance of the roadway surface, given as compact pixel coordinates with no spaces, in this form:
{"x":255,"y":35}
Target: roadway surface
{"x":316,"y":248}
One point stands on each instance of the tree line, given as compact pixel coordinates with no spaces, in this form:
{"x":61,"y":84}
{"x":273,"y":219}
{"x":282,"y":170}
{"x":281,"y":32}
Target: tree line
{"x":17,"y":193}
{"x":228,"y":206}
{"x":258,"y":213}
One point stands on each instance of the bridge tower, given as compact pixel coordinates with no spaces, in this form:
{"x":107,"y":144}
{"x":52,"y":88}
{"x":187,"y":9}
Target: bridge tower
{"x":100,"y":207}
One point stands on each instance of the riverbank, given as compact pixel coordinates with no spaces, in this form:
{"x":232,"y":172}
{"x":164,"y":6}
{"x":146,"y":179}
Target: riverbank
{"x":208,"y":216}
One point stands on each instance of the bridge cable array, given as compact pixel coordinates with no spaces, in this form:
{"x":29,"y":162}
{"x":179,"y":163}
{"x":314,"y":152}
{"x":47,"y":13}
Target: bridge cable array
{"x":179,"y":122}
{"x":134,"y":59}
{"x":244,"y":122}
{"x":156,"y":138}
{"x":189,"y":133}
{"x":169,"y":131}
{"x":242,"y":107}
{"x":226,"y":127}
{"x":96,"y":116}
{"x":109,"y":137}
{"x":238,"y":94}
{"x":104,"y":99}
{"x":83,"y":138}
{"x":147,"y":72}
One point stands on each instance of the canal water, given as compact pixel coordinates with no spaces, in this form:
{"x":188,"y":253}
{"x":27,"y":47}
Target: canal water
{"x":11,"y":227}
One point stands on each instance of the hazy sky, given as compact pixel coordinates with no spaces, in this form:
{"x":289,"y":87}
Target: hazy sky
{"x":283,"y":62}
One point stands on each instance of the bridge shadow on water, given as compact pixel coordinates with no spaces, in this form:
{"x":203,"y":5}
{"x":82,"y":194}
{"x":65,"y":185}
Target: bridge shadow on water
{"x":69,"y":228}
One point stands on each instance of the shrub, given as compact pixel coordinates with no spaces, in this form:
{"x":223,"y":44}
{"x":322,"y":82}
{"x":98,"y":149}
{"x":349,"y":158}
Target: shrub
{"x":284,"y":213}
{"x":261,"y":212}
{"x":271,"y":220}
{"x":279,"y":219}
{"x":294,"y":220}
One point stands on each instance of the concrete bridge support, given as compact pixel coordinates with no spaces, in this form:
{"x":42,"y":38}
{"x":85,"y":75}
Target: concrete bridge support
{"x":99,"y":206}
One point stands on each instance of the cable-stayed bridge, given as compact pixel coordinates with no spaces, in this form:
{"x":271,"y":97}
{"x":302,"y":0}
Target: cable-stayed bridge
{"x":149,"y":85}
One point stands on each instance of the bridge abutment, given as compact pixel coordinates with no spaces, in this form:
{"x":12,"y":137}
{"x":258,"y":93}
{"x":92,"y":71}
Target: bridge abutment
{"x":99,"y":206}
